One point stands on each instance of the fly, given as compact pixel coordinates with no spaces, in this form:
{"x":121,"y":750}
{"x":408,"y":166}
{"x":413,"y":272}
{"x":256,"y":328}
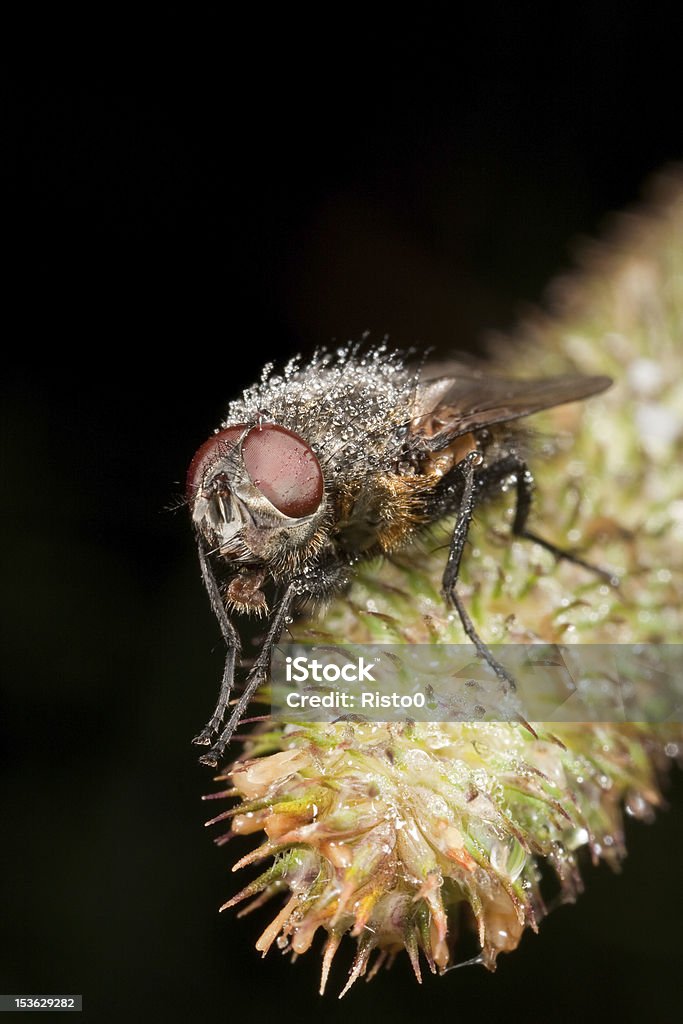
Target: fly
{"x":346,"y":457}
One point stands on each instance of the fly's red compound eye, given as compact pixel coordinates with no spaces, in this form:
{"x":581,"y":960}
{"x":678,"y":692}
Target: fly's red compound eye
{"x":210,"y":452}
{"x":284,"y":469}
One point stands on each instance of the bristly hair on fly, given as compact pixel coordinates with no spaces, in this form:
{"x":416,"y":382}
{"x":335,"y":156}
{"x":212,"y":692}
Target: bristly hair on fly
{"x":342,"y":458}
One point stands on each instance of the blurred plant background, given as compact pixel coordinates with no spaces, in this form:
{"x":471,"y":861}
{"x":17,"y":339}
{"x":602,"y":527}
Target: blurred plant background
{"x":187,"y":202}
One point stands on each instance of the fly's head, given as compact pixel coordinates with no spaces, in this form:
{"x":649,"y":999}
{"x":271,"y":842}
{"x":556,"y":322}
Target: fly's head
{"x":257,"y":498}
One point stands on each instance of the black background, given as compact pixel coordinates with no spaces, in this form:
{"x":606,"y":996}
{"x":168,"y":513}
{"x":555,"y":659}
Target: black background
{"x":187,"y":201}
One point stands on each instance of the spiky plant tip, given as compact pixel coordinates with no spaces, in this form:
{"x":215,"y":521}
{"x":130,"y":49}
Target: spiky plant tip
{"x":414,"y":838}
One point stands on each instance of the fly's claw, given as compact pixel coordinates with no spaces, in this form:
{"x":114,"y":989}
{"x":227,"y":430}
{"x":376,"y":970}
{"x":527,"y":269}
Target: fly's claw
{"x":204,"y":738}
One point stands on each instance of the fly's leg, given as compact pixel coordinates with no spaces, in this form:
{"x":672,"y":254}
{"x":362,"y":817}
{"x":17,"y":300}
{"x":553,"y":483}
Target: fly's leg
{"x":232,"y":643}
{"x":474,"y":487}
{"x":511,"y":465}
{"x":507,"y":681}
{"x":256,"y":676}
{"x":468,"y":499}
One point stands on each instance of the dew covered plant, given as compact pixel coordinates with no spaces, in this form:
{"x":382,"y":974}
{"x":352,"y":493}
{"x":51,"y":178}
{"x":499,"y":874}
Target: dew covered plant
{"x":440,"y":840}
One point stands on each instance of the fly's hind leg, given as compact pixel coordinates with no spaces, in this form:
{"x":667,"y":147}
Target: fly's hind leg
{"x":512,"y":465}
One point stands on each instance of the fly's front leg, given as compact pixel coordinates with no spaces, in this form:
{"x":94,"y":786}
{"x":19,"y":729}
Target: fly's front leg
{"x":256,"y":676}
{"x":319,"y":583}
{"x":468,"y":499}
{"x":232,"y":643}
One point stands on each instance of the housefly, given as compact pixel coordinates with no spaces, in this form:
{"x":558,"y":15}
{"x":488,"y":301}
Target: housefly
{"x":346,"y":457}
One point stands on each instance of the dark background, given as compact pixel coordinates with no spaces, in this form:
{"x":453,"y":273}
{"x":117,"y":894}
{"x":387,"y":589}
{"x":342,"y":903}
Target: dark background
{"x":187,"y":201}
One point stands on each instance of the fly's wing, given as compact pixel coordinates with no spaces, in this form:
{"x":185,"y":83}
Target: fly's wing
{"x":453,"y":399}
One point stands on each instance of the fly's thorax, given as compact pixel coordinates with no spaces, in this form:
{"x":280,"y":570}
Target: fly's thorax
{"x":380,"y":511}
{"x":350,"y":408}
